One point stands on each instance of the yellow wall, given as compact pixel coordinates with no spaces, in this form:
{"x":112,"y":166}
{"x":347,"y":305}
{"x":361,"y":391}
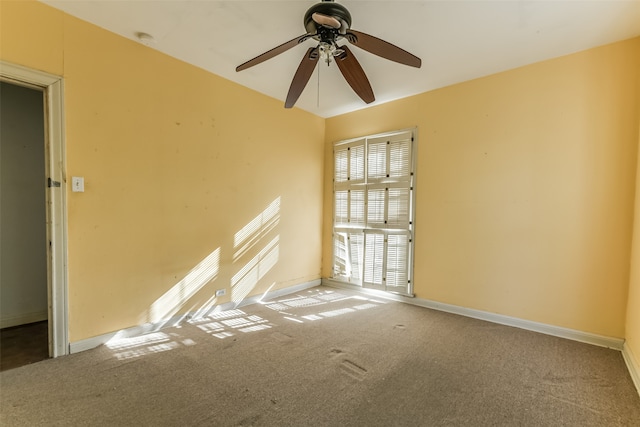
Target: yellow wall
{"x":176,"y":162}
{"x":633,"y":307}
{"x":525,"y":184}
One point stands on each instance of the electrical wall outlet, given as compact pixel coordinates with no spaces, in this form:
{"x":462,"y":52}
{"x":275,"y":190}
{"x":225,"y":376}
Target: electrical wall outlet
{"x":221,"y":292}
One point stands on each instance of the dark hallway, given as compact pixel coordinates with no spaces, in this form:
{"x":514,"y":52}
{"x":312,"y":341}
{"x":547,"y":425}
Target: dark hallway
{"x":23,"y":345}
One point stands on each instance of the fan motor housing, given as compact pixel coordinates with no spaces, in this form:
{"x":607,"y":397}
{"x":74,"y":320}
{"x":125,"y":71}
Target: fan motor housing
{"x":329,"y":8}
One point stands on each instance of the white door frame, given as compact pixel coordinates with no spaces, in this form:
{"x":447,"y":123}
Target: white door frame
{"x":52,"y":86}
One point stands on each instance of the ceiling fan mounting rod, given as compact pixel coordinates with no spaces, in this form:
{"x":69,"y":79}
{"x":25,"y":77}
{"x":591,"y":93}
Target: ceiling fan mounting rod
{"x":326,"y":12}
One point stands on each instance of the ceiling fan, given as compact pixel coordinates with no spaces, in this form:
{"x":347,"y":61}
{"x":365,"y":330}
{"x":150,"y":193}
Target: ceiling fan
{"x":329,"y":22}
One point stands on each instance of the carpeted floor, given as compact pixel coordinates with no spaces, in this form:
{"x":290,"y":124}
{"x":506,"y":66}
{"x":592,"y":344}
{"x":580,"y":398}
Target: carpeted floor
{"x":327,"y":357}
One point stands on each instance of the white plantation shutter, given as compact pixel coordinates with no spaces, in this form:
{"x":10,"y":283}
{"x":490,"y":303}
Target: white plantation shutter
{"x":388,"y":206}
{"x":341,"y":207}
{"x":341,"y":165}
{"x":356,"y":207}
{"x":356,"y":252}
{"x":389,"y":158}
{"x":348,"y":254}
{"x":349,"y":164}
{"x":356,"y":163}
{"x":398,"y":207}
{"x":397,"y":260}
{"x":373,"y":199}
{"x":341,"y":265}
{"x":374,"y":259}
{"x":400,"y":159}
{"x":376,"y":204}
{"x":377,"y":161}
{"x":349,"y":208}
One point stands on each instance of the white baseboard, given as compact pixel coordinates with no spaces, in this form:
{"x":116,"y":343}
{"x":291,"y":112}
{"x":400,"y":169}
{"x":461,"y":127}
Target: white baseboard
{"x":23,"y":319}
{"x":633,"y":365}
{"x":572,"y":334}
{"x":89,"y":343}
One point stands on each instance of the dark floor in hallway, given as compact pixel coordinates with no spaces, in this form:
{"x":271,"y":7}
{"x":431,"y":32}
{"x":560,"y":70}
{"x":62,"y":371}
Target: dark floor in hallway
{"x":23,"y":344}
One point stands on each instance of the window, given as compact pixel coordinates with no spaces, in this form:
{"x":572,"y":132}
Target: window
{"x":373,"y":211}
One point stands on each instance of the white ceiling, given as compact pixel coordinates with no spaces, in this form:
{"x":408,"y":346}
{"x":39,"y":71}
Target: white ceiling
{"x":457,"y":40}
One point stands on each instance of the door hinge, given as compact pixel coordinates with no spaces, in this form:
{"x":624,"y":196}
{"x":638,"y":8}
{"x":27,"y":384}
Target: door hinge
{"x":52,"y":183}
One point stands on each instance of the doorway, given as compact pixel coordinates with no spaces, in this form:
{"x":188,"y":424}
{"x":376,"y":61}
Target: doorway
{"x":23,"y":232}
{"x":33,"y":288}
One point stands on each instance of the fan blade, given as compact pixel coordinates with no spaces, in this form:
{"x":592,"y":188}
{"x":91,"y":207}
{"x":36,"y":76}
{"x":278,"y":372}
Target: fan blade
{"x":382,"y":48}
{"x":273,"y":52}
{"x":302,"y":76}
{"x":354,"y":75}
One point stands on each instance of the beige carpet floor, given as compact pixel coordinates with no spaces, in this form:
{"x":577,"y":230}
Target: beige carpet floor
{"x":327,"y":357}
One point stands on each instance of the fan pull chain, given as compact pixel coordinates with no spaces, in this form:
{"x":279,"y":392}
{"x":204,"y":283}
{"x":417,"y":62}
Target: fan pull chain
{"x":318,"y":95}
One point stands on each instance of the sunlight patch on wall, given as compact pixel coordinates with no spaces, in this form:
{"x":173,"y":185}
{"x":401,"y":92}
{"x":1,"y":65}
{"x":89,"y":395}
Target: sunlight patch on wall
{"x":174,"y":299}
{"x":248,"y":277}
{"x":254,"y":231}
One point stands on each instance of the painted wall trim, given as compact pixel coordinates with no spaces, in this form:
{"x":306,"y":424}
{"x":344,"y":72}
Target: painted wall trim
{"x":89,"y":343}
{"x":633,"y":365}
{"x":23,"y":319}
{"x":557,"y":331}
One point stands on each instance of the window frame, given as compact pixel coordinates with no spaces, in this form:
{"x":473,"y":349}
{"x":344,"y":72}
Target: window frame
{"x":340,"y":232}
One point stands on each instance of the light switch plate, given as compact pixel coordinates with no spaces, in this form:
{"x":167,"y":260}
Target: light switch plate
{"x":77,"y":184}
